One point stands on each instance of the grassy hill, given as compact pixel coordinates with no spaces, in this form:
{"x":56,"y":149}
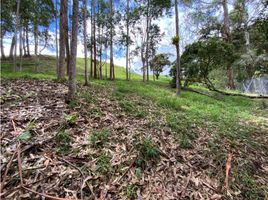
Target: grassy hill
{"x":136,"y":139}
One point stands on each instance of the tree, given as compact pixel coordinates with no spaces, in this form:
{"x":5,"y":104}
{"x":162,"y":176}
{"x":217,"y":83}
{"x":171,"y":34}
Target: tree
{"x":72,"y":72}
{"x":176,"y":42}
{"x":85,"y":39}
{"x":15,"y":41}
{"x":56,"y":24}
{"x":112,"y":74}
{"x":127,"y":43}
{"x":158,"y":63}
{"x":63,"y":21}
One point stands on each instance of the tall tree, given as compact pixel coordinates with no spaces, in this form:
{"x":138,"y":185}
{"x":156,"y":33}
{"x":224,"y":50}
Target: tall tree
{"x":85,"y":39}
{"x":127,"y":43}
{"x":227,"y":37}
{"x":72,"y":72}
{"x":15,"y":34}
{"x":56,"y":24}
{"x":63,"y":16}
{"x":176,"y":42}
{"x":112,"y":75}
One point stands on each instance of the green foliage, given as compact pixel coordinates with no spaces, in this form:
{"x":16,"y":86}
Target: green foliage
{"x":131,"y":191}
{"x":25,"y":136}
{"x":103,"y":164}
{"x":71,"y":118}
{"x":99,"y":137}
{"x":158,"y":63}
{"x":175,"y":40}
{"x":138,"y":173}
{"x":127,"y":106}
{"x":148,"y":152}
{"x":63,"y":137}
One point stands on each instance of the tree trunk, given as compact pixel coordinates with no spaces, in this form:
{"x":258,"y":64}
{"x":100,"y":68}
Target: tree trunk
{"x":27,"y":40}
{"x":227,"y":37}
{"x":2,"y":46}
{"x":127,"y":46}
{"x":147,"y":40}
{"x":23,"y":43}
{"x":20,"y":44}
{"x":178,"y":63}
{"x":101,"y":54}
{"x":15,"y":33}
{"x":72,"y":72}
{"x":12,"y":47}
{"x":36,"y":45}
{"x":94,"y":42}
{"x":91,"y":39}
{"x":85,"y":39}
{"x":56,"y":24}
{"x":63,"y":15}
{"x":111,"y":42}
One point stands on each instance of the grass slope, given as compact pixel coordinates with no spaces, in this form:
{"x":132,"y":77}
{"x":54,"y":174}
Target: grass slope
{"x":201,"y":127}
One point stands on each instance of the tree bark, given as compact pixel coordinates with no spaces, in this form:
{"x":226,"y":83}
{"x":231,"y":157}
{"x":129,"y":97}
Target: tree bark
{"x":20,"y":44}
{"x":27,"y":40}
{"x":23,"y":43}
{"x":178,"y":63}
{"x":63,"y":15}
{"x":94,"y":42}
{"x":111,"y":42}
{"x":85,"y":39}
{"x":127,"y":46}
{"x":147,"y":40}
{"x":91,"y":39}
{"x":15,"y":34}
{"x":72,"y":73}
{"x":12,"y":47}
{"x":57,"y":50}
{"x":227,"y":37}
{"x":36,"y":45}
{"x":2,"y":46}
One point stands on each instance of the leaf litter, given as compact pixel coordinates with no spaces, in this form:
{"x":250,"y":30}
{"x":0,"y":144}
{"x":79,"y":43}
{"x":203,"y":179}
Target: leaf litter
{"x":70,"y":168}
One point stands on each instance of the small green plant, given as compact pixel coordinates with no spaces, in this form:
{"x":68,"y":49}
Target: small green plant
{"x":185,"y":142}
{"x":175,"y":40}
{"x":148,"y":152}
{"x":71,"y":118}
{"x":31,"y":125}
{"x":127,"y":106}
{"x":103,"y":164}
{"x":63,"y":149}
{"x":27,"y":134}
{"x":131,"y":191}
{"x":138,"y":173}
{"x":141,"y":114}
{"x":63,"y":137}
{"x":99,"y":137}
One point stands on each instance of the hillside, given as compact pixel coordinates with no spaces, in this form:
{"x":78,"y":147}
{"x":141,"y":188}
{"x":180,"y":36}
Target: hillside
{"x":128,"y":139}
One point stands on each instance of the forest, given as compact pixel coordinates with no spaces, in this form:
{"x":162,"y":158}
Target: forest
{"x":134,"y":99}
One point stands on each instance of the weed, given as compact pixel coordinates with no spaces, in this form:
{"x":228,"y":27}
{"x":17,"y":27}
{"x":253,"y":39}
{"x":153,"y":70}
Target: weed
{"x":127,"y":106}
{"x":103,"y":164}
{"x":63,"y":137}
{"x":131,"y":191}
{"x":71,"y":118}
{"x":63,"y":149}
{"x":95,"y":112}
{"x":138,"y":173}
{"x":141,"y":114}
{"x":185,"y":142}
{"x":148,"y":152}
{"x":99,"y":137}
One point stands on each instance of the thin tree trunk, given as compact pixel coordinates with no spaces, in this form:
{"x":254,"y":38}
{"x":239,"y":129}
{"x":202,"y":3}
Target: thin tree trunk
{"x":20,"y":44}
{"x":85,"y":39}
{"x":27,"y":40}
{"x":94,"y":41}
{"x":16,"y":28}
{"x":101,"y":54}
{"x":23,"y":43}
{"x":12,"y":47}
{"x":2,"y":46}
{"x":227,"y":37}
{"x":178,"y":62}
{"x":111,"y":42}
{"x":106,"y":52}
{"x":63,"y":13}
{"x":91,"y":39}
{"x":127,"y":46}
{"x":57,"y":50}
{"x":36,"y":45}
{"x":72,"y":73}
{"x":147,"y":39}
